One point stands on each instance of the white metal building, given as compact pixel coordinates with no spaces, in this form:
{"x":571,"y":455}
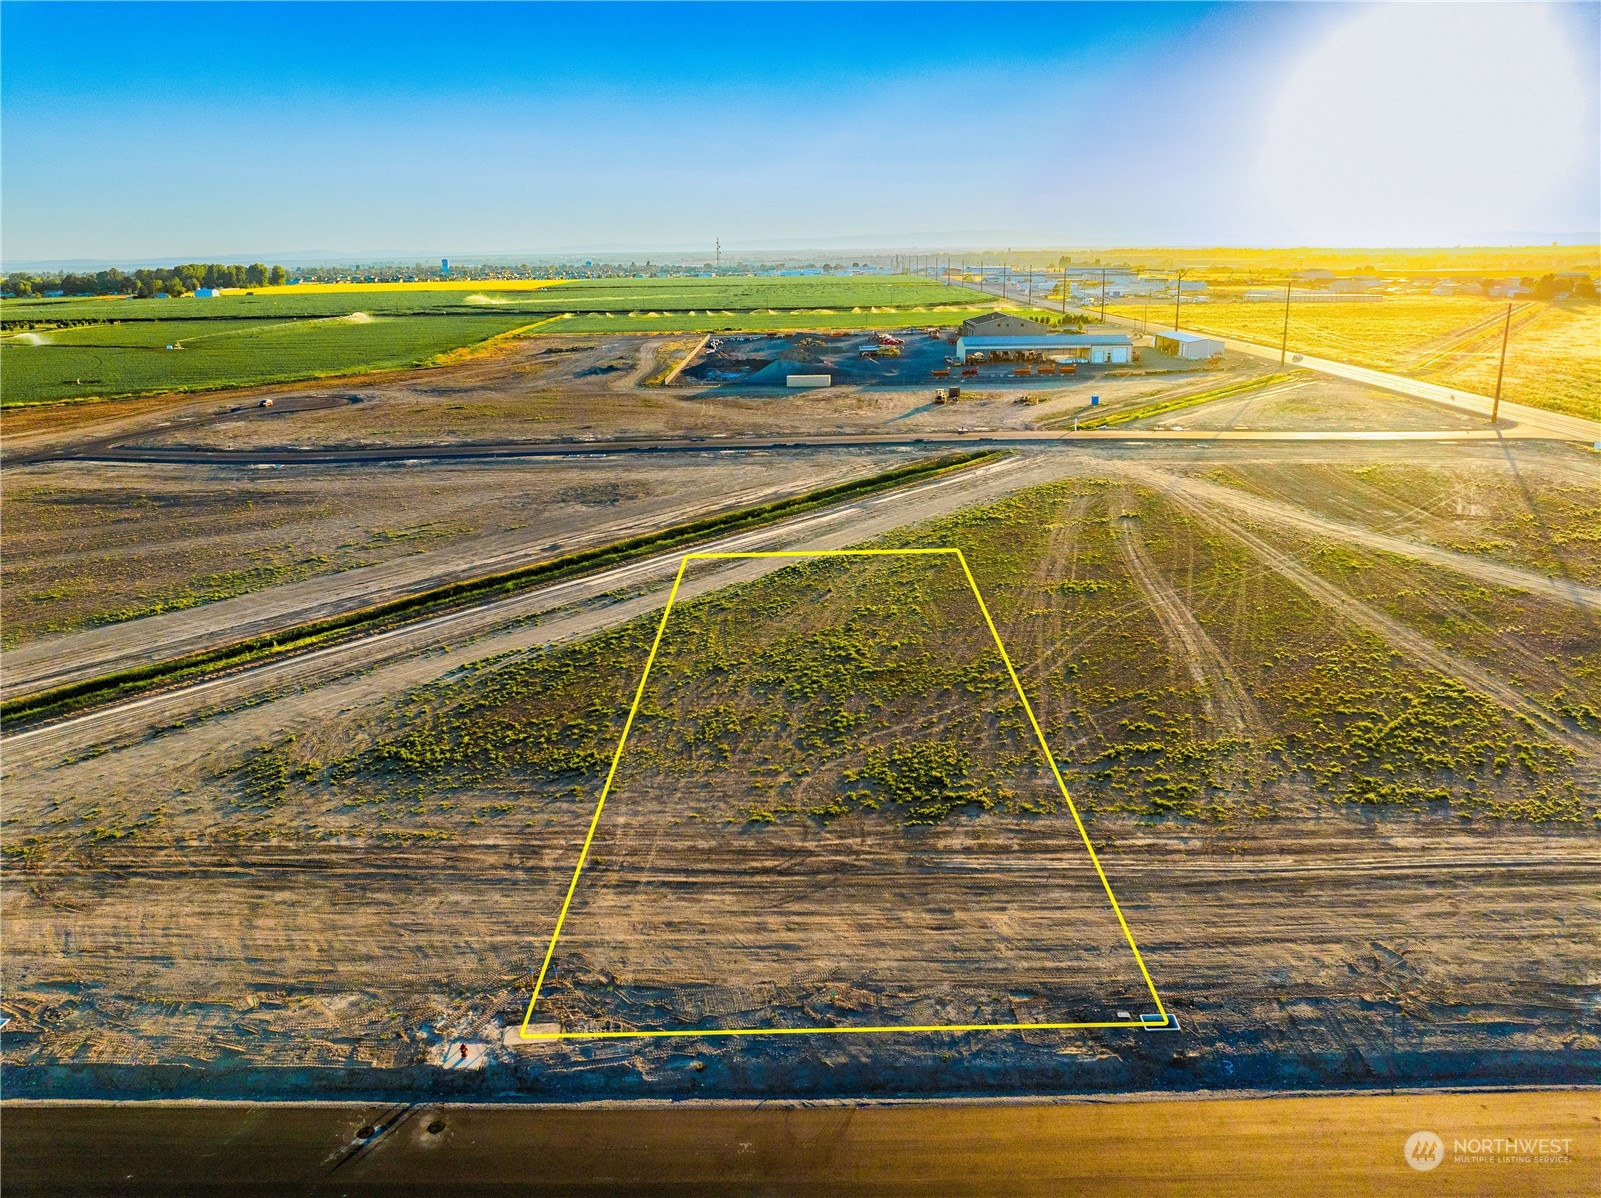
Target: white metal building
{"x":1082,"y":347}
{"x":1187,"y":345}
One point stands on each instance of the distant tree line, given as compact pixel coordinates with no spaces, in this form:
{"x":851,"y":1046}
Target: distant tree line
{"x":172,"y":280}
{"x":1548,"y":287}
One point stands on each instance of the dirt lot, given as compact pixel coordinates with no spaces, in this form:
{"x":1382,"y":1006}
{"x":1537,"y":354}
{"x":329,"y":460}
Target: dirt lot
{"x":140,"y":555}
{"x":1348,"y":800}
{"x":599,"y":388}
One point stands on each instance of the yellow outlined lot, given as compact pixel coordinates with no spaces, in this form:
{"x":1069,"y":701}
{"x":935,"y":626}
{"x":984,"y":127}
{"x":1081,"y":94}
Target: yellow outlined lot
{"x":1166,"y":1020}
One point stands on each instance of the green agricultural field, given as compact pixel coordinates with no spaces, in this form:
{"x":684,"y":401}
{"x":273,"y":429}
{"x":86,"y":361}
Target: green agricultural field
{"x":729,"y":320}
{"x":601,"y":295}
{"x":105,"y":360}
{"x":65,"y":350}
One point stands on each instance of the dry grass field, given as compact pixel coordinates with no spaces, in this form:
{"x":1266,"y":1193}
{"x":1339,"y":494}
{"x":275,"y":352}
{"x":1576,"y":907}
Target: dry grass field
{"x":1553,"y":360}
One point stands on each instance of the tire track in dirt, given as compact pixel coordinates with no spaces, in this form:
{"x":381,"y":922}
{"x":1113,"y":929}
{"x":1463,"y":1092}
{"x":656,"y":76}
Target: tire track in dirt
{"x":261,"y":701}
{"x":1412,"y":644}
{"x":646,"y":363}
{"x":1201,"y":496}
{"x":72,"y":657}
{"x":1219,"y":687}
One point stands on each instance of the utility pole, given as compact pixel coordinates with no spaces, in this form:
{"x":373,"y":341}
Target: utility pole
{"x":1064,"y":288}
{"x":1103,"y":295}
{"x":719,"y":259}
{"x":1284,"y":342}
{"x":1500,"y":371}
{"x":1178,"y":292}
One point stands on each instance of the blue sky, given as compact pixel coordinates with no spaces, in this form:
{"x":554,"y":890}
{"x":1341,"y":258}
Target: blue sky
{"x":211,"y":130}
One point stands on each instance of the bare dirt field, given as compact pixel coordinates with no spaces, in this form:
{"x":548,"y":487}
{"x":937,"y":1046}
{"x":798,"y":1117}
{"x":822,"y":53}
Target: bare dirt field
{"x":1347,"y":798}
{"x":165,"y":554}
{"x":552,"y":389}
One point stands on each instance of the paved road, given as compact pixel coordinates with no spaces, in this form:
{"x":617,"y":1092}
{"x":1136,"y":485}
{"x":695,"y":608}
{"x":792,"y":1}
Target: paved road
{"x":1238,"y":1146}
{"x":977,"y":439}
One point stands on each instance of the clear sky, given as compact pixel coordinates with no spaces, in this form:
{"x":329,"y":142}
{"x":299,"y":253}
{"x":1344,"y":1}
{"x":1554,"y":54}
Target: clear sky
{"x":194,"y":131}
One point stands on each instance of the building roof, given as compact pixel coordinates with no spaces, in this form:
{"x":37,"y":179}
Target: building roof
{"x":1045,"y":341}
{"x":1185,"y":338}
{"x":1001,"y":318}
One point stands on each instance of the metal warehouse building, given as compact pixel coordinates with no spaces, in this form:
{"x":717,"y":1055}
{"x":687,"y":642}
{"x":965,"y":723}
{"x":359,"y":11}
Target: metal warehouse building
{"x":1082,"y":347}
{"x":1187,"y":345}
{"x":1002,"y":324}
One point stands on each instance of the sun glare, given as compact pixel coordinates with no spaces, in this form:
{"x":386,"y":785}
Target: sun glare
{"x":1425,"y":124}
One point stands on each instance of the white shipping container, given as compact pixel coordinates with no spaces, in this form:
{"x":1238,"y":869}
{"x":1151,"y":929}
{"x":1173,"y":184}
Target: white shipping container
{"x":809,"y":380}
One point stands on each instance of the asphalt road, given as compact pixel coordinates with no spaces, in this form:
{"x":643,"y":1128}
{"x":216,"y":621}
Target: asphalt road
{"x":978,"y":439}
{"x":1348,"y":1144}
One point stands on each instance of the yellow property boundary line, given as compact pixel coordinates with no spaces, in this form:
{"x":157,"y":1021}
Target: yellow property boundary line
{"x":1167,"y":1020}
